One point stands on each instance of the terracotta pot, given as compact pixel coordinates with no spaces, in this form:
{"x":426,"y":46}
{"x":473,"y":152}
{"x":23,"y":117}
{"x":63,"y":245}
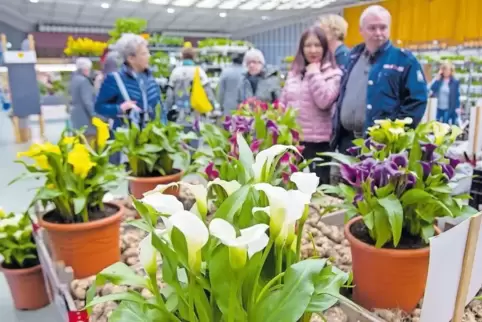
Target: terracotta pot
{"x":87,"y":247}
{"x":387,"y":278}
{"x":140,"y":185}
{"x":27,"y":286}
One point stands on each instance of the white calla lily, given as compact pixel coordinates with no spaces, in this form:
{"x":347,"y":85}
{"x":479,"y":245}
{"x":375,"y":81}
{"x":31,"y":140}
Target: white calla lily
{"x":164,"y":204}
{"x":252,"y":240}
{"x":266,"y":157}
{"x":306,"y":182}
{"x":199,"y":191}
{"x":229,"y":186}
{"x":148,"y":255}
{"x":195,"y":232}
{"x":285,"y":208}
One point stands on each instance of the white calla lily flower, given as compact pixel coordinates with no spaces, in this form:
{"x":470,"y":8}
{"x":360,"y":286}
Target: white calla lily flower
{"x":164,"y":204}
{"x":229,"y":186}
{"x":252,"y":240}
{"x":266,"y":157}
{"x":148,"y":255}
{"x":199,"y":191}
{"x":306,"y":182}
{"x":285,"y":208}
{"x":195,"y":232}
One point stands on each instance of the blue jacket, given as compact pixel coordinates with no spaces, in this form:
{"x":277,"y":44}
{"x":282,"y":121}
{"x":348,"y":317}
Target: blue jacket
{"x":342,"y":56}
{"x":110,"y":98}
{"x":396,"y":88}
{"x":454,"y":96}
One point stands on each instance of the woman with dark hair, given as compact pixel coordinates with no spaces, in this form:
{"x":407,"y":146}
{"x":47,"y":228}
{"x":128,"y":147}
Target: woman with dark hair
{"x":312,"y":87}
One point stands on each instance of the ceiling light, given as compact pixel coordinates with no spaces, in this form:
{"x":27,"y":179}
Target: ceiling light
{"x":250,"y":5}
{"x":269,"y":5}
{"x":264,"y":17}
{"x":34,"y":1}
{"x":223,"y":14}
{"x":183,"y":3}
{"x":322,"y":4}
{"x":161,"y":2}
{"x":208,"y":3}
{"x":105,"y":5}
{"x":170,"y":10}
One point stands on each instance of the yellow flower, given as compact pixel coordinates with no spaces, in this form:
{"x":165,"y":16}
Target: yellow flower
{"x":51,"y":148}
{"x":37,"y":153}
{"x":68,"y":140}
{"x":79,"y":159}
{"x":102,"y":132}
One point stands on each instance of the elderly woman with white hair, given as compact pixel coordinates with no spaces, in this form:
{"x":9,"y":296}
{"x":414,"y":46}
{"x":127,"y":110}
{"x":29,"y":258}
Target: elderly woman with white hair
{"x":131,"y":92}
{"x":82,"y":93}
{"x":258,"y":82}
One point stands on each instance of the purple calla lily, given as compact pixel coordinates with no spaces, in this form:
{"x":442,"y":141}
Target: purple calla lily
{"x":365,"y":156}
{"x":377,"y":146}
{"x":349,"y":174}
{"x":428,"y":151}
{"x":354,"y":151}
{"x":211,"y":172}
{"x":411,"y":180}
{"x":255,"y":146}
{"x":368,"y":143}
{"x":399,"y":159}
{"x":426,"y":169}
{"x":448,"y":170}
{"x":227,"y":123}
{"x":358,"y":198}
{"x":296,"y":135}
{"x":285,"y":159}
{"x":454,"y":162}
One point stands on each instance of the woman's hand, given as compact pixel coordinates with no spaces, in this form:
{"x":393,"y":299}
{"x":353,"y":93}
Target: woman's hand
{"x":128,"y":105}
{"x":313,"y":68}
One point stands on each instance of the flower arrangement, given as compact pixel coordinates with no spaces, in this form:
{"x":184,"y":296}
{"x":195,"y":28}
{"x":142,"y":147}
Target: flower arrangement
{"x":16,"y":243}
{"x":399,"y":181}
{"x":77,"y":175}
{"x":219,"y":271}
{"x":84,"y":47}
{"x":152,"y":150}
{"x":262,"y":125}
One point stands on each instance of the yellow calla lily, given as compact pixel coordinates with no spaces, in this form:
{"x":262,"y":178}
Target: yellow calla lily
{"x":102,"y":132}
{"x":36,"y":153}
{"x":79,"y":158}
{"x":68,"y":140}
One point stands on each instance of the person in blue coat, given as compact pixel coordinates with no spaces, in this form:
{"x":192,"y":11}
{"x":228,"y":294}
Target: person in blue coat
{"x":447,"y":91}
{"x":381,"y":82}
{"x":336,"y":28}
{"x":143,"y":93}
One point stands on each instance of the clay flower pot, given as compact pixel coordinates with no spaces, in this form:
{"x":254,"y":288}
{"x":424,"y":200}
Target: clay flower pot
{"x":87,"y":247}
{"x":27,"y":287}
{"x":387,"y":278}
{"x":140,"y":185}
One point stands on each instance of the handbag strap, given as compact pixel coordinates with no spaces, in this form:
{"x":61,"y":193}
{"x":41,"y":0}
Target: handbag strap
{"x":121,"y":86}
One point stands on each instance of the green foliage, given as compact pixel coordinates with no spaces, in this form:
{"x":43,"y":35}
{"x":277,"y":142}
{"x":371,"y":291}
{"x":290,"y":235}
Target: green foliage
{"x":160,"y":63}
{"x":16,"y":243}
{"x":127,"y":25}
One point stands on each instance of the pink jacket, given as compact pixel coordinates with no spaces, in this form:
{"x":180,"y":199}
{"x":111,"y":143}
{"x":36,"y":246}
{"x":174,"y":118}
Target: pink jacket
{"x":314,"y":97}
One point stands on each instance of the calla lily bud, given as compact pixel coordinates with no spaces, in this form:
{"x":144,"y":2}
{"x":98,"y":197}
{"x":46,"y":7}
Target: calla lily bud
{"x":237,"y":257}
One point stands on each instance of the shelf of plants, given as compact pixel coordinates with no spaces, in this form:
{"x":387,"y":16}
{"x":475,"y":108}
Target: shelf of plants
{"x":259,"y":242}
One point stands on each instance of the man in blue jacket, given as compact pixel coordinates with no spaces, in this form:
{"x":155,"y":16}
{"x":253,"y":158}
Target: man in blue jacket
{"x":381,"y":82}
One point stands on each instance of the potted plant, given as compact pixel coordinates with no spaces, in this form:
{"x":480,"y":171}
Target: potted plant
{"x":262,"y":126}
{"x":396,"y":184}
{"x":220,"y":271}
{"x":84,"y":231}
{"x":151,"y":153}
{"x":20,"y":264}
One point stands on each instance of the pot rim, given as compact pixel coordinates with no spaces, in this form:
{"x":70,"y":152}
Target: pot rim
{"x":20,"y":271}
{"x":421,"y":252}
{"x":170,"y":177}
{"x":87,"y":225}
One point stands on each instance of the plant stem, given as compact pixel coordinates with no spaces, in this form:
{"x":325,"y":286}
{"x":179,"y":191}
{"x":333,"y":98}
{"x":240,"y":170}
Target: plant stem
{"x":258,"y":273}
{"x":279,"y":260}
{"x":191,"y":291}
{"x":300,"y":233}
{"x":232,"y":300}
{"x":268,"y":286}
{"x":289,"y":257}
{"x":85,"y":214}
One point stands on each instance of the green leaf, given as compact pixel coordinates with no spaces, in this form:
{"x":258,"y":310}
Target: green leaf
{"x":427,"y":232}
{"x":141,"y":224}
{"x":441,"y":189}
{"x":342,"y":158}
{"x":232,"y":204}
{"x":127,"y":296}
{"x":245,"y":154}
{"x":121,"y":274}
{"x":79,"y":204}
{"x":134,"y":312}
{"x":290,"y":302}
{"x":394,"y":211}
{"x":327,"y":289}
{"x":414,"y":196}
{"x":381,"y":227}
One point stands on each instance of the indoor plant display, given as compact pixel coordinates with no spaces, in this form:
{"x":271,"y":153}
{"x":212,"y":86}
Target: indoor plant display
{"x":83,"y":230}
{"x":397,"y":183}
{"x":151,"y":153}
{"x":20,"y":264}
{"x":219,"y":271}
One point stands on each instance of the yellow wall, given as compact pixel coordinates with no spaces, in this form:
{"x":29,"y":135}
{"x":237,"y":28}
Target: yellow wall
{"x":420,"y":21}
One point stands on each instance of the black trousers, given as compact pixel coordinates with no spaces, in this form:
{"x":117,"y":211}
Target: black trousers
{"x":310,"y":152}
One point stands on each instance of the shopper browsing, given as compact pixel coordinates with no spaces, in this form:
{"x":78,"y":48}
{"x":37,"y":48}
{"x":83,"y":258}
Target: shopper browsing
{"x":132,"y":92}
{"x":381,"y":81}
{"x":258,"y":82}
{"x":312,"y":87}
{"x":229,"y":83}
{"x":447,"y":90}
{"x":82,"y":94}
{"x":335,"y":28}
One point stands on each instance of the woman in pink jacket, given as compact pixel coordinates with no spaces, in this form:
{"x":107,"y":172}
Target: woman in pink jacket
{"x":312,"y":87}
